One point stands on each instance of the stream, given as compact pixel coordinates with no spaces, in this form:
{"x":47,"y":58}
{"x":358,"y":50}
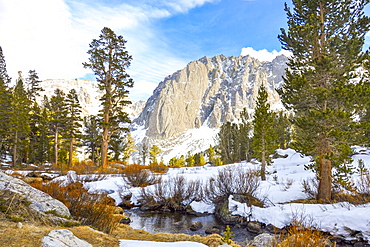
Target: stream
{"x":177,"y":222}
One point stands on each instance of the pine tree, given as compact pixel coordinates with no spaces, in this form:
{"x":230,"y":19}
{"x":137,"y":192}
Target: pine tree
{"x":58,"y":117}
{"x":228,"y":144}
{"x":264,"y":135}
{"x":283,"y":129}
{"x":33,"y":85}
{"x":326,"y":39}
{"x":5,"y":108}
{"x":154,"y":152}
{"x":144,"y":152}
{"x":92,"y":136}
{"x":73,"y":122}
{"x":211,"y":154}
{"x":109,"y":61}
{"x":42,"y":145}
{"x":19,"y":121}
{"x":190,"y":160}
{"x":245,"y":128}
{"x":199,"y":159}
{"x":128,"y":147}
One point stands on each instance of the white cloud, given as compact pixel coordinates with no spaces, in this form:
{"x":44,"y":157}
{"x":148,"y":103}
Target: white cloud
{"x":53,"y":36}
{"x":39,"y":35}
{"x":263,"y":55}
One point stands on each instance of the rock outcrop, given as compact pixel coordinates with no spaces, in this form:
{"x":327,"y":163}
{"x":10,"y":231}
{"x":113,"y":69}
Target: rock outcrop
{"x":63,"y":238}
{"x":209,"y":91}
{"x":40,"y":201}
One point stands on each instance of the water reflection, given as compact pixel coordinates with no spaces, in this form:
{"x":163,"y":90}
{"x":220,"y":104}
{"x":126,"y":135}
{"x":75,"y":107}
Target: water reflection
{"x":176,"y":222}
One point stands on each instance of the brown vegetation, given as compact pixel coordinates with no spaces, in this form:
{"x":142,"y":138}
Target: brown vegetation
{"x":232,"y":181}
{"x":139,"y":176}
{"x":176,"y":193}
{"x":90,"y":209}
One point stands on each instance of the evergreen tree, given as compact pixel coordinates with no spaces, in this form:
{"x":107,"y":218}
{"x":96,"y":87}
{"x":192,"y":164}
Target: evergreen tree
{"x":190,"y":160}
{"x":211,"y":154}
{"x":33,"y":85}
{"x":109,"y":61}
{"x":19,"y":121}
{"x":283,"y":129}
{"x":121,"y":145}
{"x":199,"y":159}
{"x":228,"y":142}
{"x":92,"y":136}
{"x":326,"y":39}
{"x":5,"y":108}
{"x":73,"y":122}
{"x":154,"y":152}
{"x":58,"y":118}
{"x":264,"y":135}
{"x":34,"y":121}
{"x":144,"y":152}
{"x":43,"y":146}
{"x":128,"y":147}
{"x":245,"y":128}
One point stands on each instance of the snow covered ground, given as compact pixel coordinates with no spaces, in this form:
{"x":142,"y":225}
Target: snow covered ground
{"x":283,"y":184}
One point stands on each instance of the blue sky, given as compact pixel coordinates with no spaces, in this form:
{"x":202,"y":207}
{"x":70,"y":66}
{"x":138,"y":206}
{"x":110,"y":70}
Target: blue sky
{"x":52,"y":36}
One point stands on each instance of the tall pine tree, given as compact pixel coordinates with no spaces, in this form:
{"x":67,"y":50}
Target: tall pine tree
{"x":109,"y":61}
{"x":73,"y":122}
{"x":33,"y":85}
{"x":5,"y":109}
{"x":92,"y":136}
{"x":19,"y":121}
{"x":264,"y":134}
{"x":326,"y":38}
{"x":58,"y":117}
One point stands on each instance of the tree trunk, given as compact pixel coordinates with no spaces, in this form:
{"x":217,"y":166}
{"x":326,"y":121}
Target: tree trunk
{"x":70,"y":153}
{"x":263,"y":166}
{"x":56,"y":146}
{"x":15,"y":148}
{"x":325,"y":183}
{"x":263,"y":159}
{"x":104,"y":147}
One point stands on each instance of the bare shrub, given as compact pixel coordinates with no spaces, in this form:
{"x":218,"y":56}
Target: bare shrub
{"x":176,"y":193}
{"x":139,"y":176}
{"x":363,"y":184}
{"x":310,"y":187}
{"x":231,"y":181}
{"x":285,"y":184}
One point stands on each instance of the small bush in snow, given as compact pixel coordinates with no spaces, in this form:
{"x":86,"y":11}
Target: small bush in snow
{"x":176,"y":193}
{"x":231,"y":180}
{"x":139,"y":176}
{"x":310,"y":187}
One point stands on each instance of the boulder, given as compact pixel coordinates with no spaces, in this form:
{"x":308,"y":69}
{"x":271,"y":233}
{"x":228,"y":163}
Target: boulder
{"x":63,"y":238}
{"x":262,"y":240}
{"x":213,"y":230}
{"x":40,"y":201}
{"x":196,"y":226}
{"x":254,"y":227}
{"x":125,"y":220}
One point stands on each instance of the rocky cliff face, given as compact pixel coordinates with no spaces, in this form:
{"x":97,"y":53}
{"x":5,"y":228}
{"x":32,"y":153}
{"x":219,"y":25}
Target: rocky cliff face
{"x":209,"y":92}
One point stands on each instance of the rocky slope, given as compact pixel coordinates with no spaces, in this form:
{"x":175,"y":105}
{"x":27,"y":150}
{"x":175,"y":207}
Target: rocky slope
{"x":88,"y":95}
{"x":208,"y":92}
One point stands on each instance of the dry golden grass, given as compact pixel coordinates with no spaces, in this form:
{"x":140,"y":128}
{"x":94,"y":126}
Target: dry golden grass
{"x":30,"y":235}
{"x":127,"y":232}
